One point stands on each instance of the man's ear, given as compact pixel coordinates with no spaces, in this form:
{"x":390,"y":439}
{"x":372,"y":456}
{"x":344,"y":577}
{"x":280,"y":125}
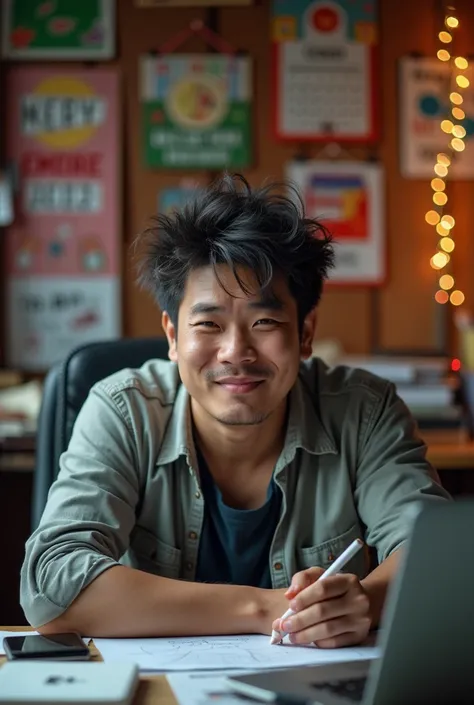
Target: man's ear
{"x":307,"y":334}
{"x":170,"y":332}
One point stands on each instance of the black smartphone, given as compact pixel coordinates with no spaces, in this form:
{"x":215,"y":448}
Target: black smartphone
{"x":54,"y":647}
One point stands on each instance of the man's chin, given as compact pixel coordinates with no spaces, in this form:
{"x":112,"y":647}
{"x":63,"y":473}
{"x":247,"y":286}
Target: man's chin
{"x":238,"y":418}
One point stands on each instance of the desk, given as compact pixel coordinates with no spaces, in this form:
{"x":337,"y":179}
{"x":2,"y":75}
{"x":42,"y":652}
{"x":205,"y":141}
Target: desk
{"x":152,"y":690}
{"x":452,"y":456}
{"x":17,"y":453}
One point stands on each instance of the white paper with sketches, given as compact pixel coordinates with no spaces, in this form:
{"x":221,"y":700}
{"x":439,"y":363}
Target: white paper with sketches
{"x":247,"y":652}
{"x":4,"y":634}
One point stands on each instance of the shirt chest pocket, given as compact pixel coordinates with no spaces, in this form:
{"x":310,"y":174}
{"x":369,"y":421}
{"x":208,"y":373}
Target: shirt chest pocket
{"x":147,"y":552}
{"x":324,"y":554}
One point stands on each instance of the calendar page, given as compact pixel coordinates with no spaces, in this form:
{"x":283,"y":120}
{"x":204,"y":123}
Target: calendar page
{"x":323,"y":66}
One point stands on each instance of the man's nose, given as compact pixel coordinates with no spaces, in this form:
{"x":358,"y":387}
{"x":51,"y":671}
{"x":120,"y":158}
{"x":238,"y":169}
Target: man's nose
{"x":236,"y":347}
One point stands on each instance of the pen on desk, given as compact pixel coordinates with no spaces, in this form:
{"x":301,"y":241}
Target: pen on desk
{"x":277,"y":637}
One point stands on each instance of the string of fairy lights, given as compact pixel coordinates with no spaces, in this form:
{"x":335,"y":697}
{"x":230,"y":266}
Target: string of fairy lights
{"x":439,"y":215}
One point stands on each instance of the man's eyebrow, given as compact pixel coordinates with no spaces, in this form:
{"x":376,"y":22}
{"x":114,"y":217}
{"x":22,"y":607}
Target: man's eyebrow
{"x":202,"y":307}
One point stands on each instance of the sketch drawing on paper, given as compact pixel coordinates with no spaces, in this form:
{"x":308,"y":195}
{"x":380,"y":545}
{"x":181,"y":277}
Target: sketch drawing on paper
{"x":203,"y":653}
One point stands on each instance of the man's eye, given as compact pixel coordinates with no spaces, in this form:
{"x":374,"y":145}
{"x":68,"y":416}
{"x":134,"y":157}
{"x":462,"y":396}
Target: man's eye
{"x":266,"y":322}
{"x":206,"y":324}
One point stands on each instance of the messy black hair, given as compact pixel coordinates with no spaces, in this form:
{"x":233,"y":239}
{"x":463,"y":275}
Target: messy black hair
{"x":231,"y":223}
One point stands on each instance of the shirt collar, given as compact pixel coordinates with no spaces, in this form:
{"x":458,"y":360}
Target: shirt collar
{"x":305,"y":428}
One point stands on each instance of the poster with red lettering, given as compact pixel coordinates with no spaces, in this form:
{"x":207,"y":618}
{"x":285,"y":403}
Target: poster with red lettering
{"x":63,"y":248}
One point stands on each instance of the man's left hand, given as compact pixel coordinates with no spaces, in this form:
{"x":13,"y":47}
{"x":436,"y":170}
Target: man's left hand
{"x":330,"y":613}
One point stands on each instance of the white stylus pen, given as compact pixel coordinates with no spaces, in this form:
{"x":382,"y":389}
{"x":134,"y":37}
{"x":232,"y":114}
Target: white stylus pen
{"x":277,"y":637}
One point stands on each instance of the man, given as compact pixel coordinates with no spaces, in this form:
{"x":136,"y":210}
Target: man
{"x":205,"y":494}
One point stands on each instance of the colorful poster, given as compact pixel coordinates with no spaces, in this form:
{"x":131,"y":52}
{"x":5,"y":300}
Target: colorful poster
{"x":347,"y":197}
{"x":58,"y":29}
{"x":196,"y":111}
{"x":63,"y":248}
{"x":323,"y":65}
{"x":425,"y":87}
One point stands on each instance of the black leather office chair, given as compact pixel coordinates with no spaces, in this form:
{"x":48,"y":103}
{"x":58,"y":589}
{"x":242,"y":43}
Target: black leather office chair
{"x":66,"y":388}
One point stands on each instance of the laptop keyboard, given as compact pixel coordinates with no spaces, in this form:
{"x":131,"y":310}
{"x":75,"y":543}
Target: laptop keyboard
{"x":351,"y":689}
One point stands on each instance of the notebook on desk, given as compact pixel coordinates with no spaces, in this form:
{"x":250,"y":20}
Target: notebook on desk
{"x":427,"y":632}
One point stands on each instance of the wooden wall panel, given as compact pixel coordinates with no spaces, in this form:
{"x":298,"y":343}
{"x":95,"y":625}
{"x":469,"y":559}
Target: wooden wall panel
{"x":407,"y":314}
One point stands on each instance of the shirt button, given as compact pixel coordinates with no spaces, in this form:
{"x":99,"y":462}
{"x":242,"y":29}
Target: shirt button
{"x":330,"y":557}
{"x":193,"y":535}
{"x":278,"y":565}
{"x":189,"y":566}
{"x":198,"y":495}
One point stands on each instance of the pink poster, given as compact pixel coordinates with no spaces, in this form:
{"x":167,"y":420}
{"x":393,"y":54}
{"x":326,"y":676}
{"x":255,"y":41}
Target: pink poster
{"x":63,"y":248}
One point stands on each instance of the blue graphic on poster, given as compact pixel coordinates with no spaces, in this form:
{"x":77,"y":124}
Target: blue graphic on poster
{"x":172,"y":199}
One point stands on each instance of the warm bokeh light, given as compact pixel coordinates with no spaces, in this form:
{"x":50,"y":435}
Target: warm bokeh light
{"x":443,"y":159}
{"x":443,"y":55}
{"x":448,"y":221}
{"x":460,"y":61}
{"x":445,"y":37}
{"x":446,"y":282}
{"x":458,"y":145}
{"x":458,"y":131}
{"x":432,"y":217}
{"x":441,"y":297}
{"x":458,"y":113}
{"x":440,"y":169}
{"x":439,"y":260}
{"x":444,"y":223}
{"x":462,"y":81}
{"x":440,"y":198}
{"x":447,"y":126}
{"x":446,"y":244}
{"x":438,"y":184}
{"x":457,"y":297}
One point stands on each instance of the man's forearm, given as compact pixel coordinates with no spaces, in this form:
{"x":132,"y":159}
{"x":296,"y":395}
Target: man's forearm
{"x":376,"y":585}
{"x":126,"y":602}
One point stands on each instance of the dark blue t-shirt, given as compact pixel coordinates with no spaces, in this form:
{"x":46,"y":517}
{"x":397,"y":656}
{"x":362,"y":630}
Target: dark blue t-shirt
{"x":235,"y":543}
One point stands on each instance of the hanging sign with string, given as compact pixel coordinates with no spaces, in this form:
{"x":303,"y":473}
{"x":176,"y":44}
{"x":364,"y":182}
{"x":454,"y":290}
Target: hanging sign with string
{"x":196,"y":108}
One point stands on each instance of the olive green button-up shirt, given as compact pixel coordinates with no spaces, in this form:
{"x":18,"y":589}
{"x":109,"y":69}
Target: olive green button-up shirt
{"x":128,"y":488}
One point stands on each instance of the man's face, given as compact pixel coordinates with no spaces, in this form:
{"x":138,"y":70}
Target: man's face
{"x":238,"y":355}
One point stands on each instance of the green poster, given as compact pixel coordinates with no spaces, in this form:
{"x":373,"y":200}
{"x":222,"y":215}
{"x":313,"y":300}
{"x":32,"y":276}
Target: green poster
{"x":196,"y":111}
{"x":58,"y":29}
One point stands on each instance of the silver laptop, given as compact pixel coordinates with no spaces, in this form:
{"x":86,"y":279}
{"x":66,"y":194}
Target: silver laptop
{"x":427,"y":634}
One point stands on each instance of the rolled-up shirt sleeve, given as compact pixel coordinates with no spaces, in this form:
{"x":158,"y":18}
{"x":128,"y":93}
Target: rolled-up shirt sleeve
{"x":393,"y":475}
{"x":89,"y":514}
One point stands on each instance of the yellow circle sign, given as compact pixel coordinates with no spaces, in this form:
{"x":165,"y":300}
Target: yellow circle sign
{"x":63,"y":112}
